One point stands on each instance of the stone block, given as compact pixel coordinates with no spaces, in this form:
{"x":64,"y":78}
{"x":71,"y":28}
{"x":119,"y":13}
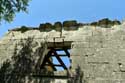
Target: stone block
{"x":123,"y":76}
{"x":116,"y":75}
{"x":82,"y":51}
{"x":94,"y":38}
{"x":115,"y":67}
{"x":122,"y":67}
{"x":78,"y":61}
{"x":98,"y":70}
{"x":101,"y":81}
{"x":96,"y":44}
{"x":112,"y":44}
{"x":80,"y":45}
{"x":97,"y":60}
{"x":77,"y":52}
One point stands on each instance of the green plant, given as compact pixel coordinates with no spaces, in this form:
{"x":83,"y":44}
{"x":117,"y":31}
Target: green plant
{"x":45,"y":26}
{"x":116,"y":22}
{"x":9,"y":8}
{"x":70,"y":23}
{"x":57,"y":24}
{"x":94,"y":23}
{"x":48,"y":25}
{"x":23,"y":29}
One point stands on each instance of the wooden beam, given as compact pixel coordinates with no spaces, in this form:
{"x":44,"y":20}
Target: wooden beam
{"x":66,"y":51}
{"x":51,"y":76}
{"x":46,"y":59}
{"x":65,"y":44}
{"x":61,"y":55}
{"x":51,"y":64}
{"x":59,"y":59}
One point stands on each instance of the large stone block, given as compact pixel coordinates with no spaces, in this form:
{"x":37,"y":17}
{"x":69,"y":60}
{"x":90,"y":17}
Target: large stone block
{"x":99,"y":70}
{"x":78,"y":61}
{"x":81,"y":45}
{"x":83,"y":51}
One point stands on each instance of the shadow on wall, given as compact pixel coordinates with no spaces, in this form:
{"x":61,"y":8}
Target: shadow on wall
{"x":23,"y":65}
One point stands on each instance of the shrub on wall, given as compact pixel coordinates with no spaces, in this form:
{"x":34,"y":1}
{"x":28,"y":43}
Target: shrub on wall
{"x":116,"y":22}
{"x":80,"y":24}
{"x":41,"y":26}
{"x":105,"y":23}
{"x":46,"y":26}
{"x":57,"y":26}
{"x":94,"y":24}
{"x":71,"y":23}
{"x":23,"y":29}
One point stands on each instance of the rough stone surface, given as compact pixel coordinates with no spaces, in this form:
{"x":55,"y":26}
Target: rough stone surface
{"x":99,"y":52}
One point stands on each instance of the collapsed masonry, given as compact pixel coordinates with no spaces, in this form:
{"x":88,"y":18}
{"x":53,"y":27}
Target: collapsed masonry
{"x":97,"y":55}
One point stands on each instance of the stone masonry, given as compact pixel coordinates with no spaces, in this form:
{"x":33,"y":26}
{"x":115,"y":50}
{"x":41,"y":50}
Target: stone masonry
{"x":99,"y":52}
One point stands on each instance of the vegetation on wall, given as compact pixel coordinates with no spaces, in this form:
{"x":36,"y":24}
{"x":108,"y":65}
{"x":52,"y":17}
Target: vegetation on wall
{"x":107,"y":23}
{"x":24,"y":64}
{"x":46,"y":26}
{"x":22,"y":29}
{"x":70,"y":25}
{"x":57,"y":24}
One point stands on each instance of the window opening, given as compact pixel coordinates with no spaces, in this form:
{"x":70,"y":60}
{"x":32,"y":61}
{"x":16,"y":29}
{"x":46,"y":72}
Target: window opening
{"x":58,"y":59}
{"x":66,"y":61}
{"x":61,"y":52}
{"x":58,"y":56}
{"x":64,"y":58}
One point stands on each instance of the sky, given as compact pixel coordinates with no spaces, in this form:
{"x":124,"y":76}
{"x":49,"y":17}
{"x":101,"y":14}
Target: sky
{"x":41,"y":11}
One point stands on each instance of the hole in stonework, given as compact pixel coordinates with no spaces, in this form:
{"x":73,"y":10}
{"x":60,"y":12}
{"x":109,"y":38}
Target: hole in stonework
{"x":86,"y":55}
{"x":64,"y":56}
{"x":59,"y":68}
{"x":58,"y":56}
{"x":66,"y":61}
{"x":55,"y":61}
{"x":120,"y":64}
{"x":61,"y":52}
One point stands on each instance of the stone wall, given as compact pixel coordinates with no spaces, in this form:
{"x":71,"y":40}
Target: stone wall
{"x":99,"y":52}
{"x":101,"y":56}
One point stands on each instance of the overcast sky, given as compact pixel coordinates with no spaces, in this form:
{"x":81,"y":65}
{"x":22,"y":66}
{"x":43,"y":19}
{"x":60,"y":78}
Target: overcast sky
{"x":41,"y":11}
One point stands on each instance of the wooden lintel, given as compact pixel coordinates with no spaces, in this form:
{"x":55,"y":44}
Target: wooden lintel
{"x":66,"y":51}
{"x":65,"y":44}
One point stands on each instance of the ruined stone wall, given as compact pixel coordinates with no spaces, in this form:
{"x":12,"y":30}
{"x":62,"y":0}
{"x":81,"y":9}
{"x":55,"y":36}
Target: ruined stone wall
{"x":101,"y":56}
{"x":99,"y":52}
